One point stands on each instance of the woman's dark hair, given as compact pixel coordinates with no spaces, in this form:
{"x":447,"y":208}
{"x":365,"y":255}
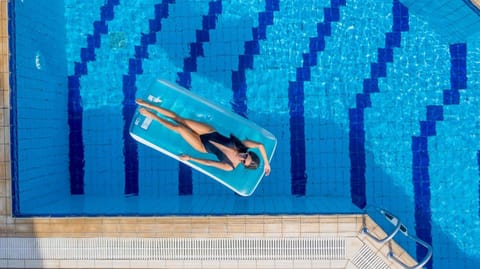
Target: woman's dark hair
{"x":238,"y":144}
{"x":243,"y":149}
{"x":255,"y":161}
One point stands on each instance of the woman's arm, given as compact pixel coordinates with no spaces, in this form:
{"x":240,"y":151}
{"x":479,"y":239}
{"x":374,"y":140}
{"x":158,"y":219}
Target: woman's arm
{"x":261,"y":148}
{"x":207,"y":162}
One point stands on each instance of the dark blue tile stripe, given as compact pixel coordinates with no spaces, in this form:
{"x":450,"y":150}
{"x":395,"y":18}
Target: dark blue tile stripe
{"x":296,"y":98}
{"x":13,"y":105}
{"x":478,"y":163}
{"x":130,"y":150}
{"x":209,"y":22}
{"x":245,"y":61}
{"x":420,"y":156}
{"x":421,"y":186}
{"x":75,"y":108}
{"x":356,"y":115}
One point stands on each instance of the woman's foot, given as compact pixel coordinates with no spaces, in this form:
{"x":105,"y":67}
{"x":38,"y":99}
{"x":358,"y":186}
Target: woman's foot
{"x":167,"y":113}
{"x":141,"y":102}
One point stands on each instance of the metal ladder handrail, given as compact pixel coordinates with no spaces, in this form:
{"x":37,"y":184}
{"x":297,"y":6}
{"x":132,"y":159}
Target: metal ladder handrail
{"x":399,"y":227}
{"x":388,"y":237}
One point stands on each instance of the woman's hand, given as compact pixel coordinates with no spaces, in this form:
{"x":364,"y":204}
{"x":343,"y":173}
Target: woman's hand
{"x":266,"y":168}
{"x":184,"y":157}
{"x":261,"y":148}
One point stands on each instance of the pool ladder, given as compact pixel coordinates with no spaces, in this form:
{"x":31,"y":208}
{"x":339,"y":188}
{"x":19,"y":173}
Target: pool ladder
{"x":399,"y":227}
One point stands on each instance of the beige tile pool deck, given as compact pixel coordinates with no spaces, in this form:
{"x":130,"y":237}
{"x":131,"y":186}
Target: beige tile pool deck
{"x":298,"y":226}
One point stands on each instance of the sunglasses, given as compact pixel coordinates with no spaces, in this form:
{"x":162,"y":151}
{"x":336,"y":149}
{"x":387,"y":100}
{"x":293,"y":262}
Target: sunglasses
{"x":243,"y":157}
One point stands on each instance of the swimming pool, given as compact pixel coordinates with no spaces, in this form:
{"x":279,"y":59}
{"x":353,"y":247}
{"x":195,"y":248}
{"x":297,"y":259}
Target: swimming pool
{"x":367,"y":101}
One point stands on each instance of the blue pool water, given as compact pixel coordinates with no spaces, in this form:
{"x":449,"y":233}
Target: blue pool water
{"x":369,"y":102}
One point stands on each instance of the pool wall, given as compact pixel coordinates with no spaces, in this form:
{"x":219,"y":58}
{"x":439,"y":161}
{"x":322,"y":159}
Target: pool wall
{"x":455,"y":20}
{"x":39,"y":69}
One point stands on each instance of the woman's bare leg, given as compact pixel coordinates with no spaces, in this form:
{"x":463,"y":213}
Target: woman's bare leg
{"x":190,"y":137}
{"x":196,"y":126}
{"x":161,"y":110}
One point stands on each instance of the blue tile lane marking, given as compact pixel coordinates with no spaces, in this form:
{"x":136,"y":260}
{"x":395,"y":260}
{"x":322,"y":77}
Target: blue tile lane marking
{"x":421,"y":185}
{"x":296,"y":99}
{"x":75,"y":108}
{"x":130,"y":146}
{"x":209,"y":22}
{"x":238,"y":77}
{"x":245,"y":61}
{"x":420,"y":155}
{"x":458,"y":71}
{"x":356,"y":115}
{"x":13,"y":112}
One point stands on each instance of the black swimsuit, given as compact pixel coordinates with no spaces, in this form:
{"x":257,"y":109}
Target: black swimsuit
{"x":231,"y":142}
